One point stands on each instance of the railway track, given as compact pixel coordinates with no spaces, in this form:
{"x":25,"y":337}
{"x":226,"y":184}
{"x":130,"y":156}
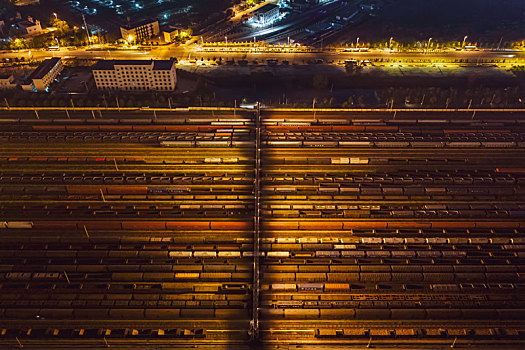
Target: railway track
{"x":271,"y":230}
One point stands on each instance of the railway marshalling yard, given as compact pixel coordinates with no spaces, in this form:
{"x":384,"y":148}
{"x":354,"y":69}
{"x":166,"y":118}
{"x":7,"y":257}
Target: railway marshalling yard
{"x":229,"y":228}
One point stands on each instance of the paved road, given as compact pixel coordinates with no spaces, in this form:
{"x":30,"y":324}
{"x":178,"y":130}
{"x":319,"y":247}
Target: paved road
{"x":188,"y":53}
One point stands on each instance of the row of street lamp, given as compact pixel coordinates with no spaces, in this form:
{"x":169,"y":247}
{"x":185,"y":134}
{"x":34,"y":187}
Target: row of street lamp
{"x":357,"y":41}
{"x":428,"y":43}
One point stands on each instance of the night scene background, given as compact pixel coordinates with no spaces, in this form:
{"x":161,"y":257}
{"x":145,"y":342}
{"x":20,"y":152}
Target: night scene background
{"x":291,"y":174}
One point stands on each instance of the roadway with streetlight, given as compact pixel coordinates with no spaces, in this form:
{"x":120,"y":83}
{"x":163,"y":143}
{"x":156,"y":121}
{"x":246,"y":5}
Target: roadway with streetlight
{"x":231,"y":51}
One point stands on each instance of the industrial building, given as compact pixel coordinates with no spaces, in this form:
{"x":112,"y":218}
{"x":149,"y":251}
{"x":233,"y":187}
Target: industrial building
{"x":44,"y":75}
{"x":170,"y":34}
{"x":29,"y":27}
{"x":140,"y":31}
{"x":7,"y":81}
{"x":138,"y":75}
{"x":266,"y":14}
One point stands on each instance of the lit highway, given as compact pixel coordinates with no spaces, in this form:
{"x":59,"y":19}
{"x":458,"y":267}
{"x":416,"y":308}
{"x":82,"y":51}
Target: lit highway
{"x":379,"y":228}
{"x":194,"y":52}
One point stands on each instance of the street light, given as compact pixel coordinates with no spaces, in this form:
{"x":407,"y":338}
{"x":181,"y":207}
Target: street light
{"x":464,"y":39}
{"x":390,"y":43}
{"x":357,"y":42}
{"x":55,"y":14}
{"x":428,"y":45}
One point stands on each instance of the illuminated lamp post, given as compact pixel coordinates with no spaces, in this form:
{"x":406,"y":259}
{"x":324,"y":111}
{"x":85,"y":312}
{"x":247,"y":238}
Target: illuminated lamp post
{"x":464,"y":39}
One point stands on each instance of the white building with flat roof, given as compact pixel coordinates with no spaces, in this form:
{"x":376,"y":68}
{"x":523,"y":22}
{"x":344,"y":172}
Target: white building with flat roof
{"x":135,"y":75}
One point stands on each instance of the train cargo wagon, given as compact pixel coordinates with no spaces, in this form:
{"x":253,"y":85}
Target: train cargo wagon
{"x":310,"y":287}
{"x":336,"y":287}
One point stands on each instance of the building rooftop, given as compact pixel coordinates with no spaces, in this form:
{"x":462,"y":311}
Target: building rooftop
{"x":25,"y":23}
{"x":110,"y":64}
{"x":44,"y":68}
{"x":163,"y":64}
{"x":171,"y":29}
{"x":138,"y":23}
{"x":265,"y":8}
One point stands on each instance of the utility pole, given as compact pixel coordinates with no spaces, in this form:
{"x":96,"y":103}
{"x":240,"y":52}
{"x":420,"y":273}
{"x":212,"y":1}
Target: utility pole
{"x":87,"y":30}
{"x":499,"y":44}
